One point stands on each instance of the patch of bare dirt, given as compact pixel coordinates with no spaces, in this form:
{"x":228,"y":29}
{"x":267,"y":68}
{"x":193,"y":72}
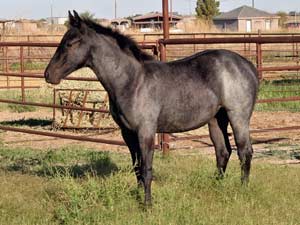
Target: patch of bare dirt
{"x":276,"y":142}
{"x":43,"y":142}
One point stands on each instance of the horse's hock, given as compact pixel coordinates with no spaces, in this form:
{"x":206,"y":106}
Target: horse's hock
{"x":92,"y":99}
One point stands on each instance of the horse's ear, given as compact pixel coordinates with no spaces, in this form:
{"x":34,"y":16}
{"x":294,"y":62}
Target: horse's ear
{"x":74,"y":21}
{"x":76,"y":16}
{"x":78,"y":22}
{"x":71,"y":19}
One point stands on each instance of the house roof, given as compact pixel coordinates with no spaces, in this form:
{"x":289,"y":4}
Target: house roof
{"x":243,"y":12}
{"x":154,"y":15}
{"x":292,"y":21}
{"x":5,"y":21}
{"x":119,"y":20}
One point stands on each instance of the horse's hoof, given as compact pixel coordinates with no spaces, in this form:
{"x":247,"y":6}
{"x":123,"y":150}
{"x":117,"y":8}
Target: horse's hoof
{"x":140,"y":184}
{"x":219,"y":175}
{"x":245,"y":181}
{"x":148,"y":204}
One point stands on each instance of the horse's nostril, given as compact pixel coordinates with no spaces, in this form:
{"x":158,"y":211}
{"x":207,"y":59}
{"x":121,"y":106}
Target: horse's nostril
{"x":47,"y":75}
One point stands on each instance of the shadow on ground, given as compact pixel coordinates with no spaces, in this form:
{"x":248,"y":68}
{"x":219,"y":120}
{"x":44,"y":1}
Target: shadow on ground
{"x":28,"y":122}
{"x":268,"y":141}
{"x":51,"y":165}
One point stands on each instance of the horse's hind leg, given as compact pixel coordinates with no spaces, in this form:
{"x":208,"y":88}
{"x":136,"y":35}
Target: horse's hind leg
{"x":219,"y":136}
{"x":240,"y":124}
{"x":146,"y":139}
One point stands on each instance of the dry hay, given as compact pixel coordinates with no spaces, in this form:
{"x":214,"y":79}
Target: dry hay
{"x":96,"y":99}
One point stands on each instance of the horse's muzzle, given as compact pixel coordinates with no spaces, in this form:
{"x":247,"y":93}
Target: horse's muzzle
{"x":47,"y":75}
{"x":49,"y":79}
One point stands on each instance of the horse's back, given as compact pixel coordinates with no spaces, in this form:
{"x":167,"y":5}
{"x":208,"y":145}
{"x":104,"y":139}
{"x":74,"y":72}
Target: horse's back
{"x":190,"y":91}
{"x":229,"y":75}
{"x":237,"y":80}
{"x":212,"y":63}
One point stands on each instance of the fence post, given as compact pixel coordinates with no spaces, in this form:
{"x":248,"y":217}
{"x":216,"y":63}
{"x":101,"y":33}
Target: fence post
{"x":6,"y":65}
{"x":164,"y":138}
{"x":297,"y":57}
{"x":249,"y":48}
{"x":54,"y":103}
{"x":259,"y":58}
{"x":22,"y":71}
{"x":194,"y":36}
{"x":245,"y":47}
{"x":166,"y":32}
{"x":28,"y":48}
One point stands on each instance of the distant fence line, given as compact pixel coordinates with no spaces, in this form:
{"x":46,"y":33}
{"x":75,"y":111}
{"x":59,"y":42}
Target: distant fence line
{"x":147,"y":36}
{"x":158,"y":48}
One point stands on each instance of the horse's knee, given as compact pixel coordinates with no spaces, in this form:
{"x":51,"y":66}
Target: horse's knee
{"x":245,"y":156}
{"x":222,"y":157}
{"x":245,"y":151}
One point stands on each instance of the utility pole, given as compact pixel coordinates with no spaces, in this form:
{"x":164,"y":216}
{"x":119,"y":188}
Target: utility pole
{"x":51,"y":14}
{"x":171,"y":10}
{"x":115,"y":9}
{"x":252,"y":3}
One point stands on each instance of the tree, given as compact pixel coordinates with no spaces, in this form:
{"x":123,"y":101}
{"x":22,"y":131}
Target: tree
{"x":85,"y":15}
{"x":88,"y":15}
{"x":131,"y":17}
{"x":283,"y":18}
{"x":207,"y":9}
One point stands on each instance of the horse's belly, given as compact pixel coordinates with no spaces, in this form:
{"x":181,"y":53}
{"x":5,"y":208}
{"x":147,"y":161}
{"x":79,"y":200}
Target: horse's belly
{"x":175,"y":128}
{"x":185,"y":121}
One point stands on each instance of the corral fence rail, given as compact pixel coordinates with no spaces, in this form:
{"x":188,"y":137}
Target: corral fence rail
{"x":22,"y":74}
{"x":258,"y":41}
{"x":156,"y":47}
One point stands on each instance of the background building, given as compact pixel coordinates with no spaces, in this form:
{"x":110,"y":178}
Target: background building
{"x":153,"y":21}
{"x":57,"y":20}
{"x":120,"y":24}
{"x":246,"y":19}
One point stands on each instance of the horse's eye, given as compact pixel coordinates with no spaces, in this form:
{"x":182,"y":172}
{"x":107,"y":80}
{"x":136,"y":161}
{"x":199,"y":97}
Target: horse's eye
{"x":71,"y":43}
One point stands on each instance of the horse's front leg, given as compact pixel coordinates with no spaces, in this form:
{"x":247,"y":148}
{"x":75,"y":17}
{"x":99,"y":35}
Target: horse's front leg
{"x":132,"y":141}
{"x":146,"y":137}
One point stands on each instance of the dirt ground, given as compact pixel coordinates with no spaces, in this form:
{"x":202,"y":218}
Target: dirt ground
{"x":266,"y":145}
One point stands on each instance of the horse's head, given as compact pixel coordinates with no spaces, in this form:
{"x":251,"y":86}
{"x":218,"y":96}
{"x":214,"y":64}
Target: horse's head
{"x":72,"y":52}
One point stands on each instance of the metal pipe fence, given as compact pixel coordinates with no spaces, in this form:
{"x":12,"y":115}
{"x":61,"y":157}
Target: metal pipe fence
{"x":155,"y":47}
{"x":259,"y":42}
{"x":22,"y":74}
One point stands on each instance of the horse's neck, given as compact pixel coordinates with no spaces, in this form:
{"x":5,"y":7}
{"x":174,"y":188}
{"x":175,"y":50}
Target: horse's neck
{"x":115,"y":69}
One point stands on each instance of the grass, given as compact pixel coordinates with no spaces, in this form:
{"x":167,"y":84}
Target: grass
{"x":28,"y":65}
{"x":75,"y":185}
{"x":279,"y":89}
{"x":20,"y":108}
{"x":43,"y":95}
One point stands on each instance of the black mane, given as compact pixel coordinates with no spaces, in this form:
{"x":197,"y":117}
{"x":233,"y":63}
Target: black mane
{"x":125,"y":43}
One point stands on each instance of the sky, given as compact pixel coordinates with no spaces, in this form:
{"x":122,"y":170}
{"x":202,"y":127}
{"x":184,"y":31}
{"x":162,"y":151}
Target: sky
{"x":37,"y":9}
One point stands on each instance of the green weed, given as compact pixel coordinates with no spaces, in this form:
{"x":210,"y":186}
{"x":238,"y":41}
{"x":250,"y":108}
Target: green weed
{"x":33,"y":95}
{"x":279,"y":89}
{"x":185,"y":190}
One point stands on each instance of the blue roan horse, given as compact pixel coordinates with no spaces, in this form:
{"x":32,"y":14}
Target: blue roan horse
{"x":146,"y":96}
